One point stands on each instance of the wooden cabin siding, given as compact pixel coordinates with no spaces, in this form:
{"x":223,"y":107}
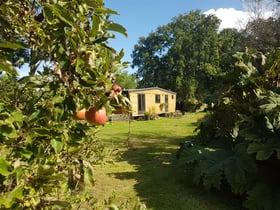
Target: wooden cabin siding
{"x":152,"y":102}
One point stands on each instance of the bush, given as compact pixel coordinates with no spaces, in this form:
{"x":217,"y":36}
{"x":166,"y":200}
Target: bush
{"x":191,"y":105}
{"x":238,"y":141}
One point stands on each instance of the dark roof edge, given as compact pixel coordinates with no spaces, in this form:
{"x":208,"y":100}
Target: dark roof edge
{"x":150,"y":88}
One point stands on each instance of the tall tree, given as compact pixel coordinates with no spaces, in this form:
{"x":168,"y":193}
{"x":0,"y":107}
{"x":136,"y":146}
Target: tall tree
{"x":182,"y":56}
{"x":126,"y":80}
{"x":258,"y":9}
{"x":263,"y":30}
{"x":262,"y":34}
{"x":230,"y":41}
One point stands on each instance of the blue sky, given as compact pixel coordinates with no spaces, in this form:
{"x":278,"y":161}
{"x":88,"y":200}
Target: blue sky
{"x":140,"y":17}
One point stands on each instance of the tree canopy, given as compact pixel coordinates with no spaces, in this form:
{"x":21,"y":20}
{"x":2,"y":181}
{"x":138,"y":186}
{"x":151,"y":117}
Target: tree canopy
{"x":183,"y":56}
{"x":190,"y":55}
{"x":126,"y":80}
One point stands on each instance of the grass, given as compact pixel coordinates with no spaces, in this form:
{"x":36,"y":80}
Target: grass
{"x":148,"y":171}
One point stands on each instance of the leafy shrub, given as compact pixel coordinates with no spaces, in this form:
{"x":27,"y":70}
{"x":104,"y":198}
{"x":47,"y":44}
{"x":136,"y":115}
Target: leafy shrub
{"x":238,"y":141}
{"x":46,"y":158}
{"x":190,"y":105}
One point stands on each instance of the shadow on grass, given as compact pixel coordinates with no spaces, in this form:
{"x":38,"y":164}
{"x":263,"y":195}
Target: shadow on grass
{"x":162,"y":184}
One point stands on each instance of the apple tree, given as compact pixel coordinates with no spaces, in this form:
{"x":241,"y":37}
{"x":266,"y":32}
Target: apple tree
{"x":46,"y":157}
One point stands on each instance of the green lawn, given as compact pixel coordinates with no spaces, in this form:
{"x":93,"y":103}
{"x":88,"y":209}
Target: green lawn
{"x":148,"y":170}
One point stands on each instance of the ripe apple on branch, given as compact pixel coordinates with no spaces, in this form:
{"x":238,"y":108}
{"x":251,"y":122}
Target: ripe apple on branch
{"x":97,"y":114}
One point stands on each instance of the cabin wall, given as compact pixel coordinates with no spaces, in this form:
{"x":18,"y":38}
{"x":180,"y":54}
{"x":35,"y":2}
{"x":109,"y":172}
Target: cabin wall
{"x":134,"y":103}
{"x":151,"y":104}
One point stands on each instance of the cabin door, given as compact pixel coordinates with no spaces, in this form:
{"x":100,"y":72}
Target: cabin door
{"x":141,"y":103}
{"x":166,"y":103}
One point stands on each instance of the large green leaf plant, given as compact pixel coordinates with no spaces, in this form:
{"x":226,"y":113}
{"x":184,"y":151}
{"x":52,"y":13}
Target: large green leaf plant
{"x":45,"y":156}
{"x":238,"y":145}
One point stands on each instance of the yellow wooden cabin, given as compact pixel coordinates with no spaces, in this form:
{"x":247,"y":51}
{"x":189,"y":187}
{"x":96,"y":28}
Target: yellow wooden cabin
{"x":154,"y":100}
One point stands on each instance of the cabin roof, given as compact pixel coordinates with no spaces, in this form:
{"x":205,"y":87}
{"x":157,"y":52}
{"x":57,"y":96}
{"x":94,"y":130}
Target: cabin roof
{"x":150,"y":88}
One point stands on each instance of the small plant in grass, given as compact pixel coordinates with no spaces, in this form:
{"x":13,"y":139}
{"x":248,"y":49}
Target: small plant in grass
{"x":147,"y":115}
{"x":153,"y":112}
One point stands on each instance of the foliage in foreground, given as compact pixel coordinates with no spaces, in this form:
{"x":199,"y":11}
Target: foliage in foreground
{"x":238,"y":142}
{"x":45,"y":156}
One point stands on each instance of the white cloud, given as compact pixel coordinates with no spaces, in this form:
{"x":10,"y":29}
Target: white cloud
{"x":230,"y":17}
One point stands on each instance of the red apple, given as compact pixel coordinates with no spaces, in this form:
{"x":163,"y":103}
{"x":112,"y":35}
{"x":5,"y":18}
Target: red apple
{"x":96,"y":117}
{"x":80,"y":115}
{"x":116,"y":88}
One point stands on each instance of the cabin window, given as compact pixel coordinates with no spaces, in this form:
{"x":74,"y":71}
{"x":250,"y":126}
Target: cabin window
{"x":166,"y":103}
{"x":141,"y":103}
{"x":157,"y":98}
